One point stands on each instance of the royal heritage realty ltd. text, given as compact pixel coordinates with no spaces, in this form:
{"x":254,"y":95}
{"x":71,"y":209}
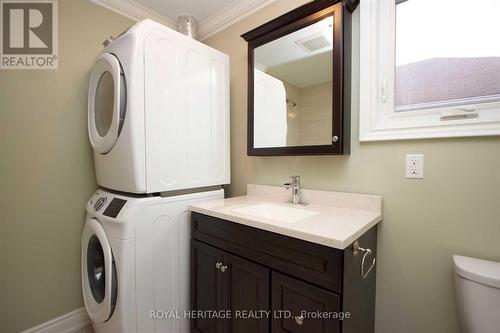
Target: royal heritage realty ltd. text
{"x":246,"y":314}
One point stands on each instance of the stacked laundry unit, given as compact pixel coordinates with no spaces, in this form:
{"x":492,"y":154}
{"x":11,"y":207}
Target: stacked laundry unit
{"x":159,"y":126}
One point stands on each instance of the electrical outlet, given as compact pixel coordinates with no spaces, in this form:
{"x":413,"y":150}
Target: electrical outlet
{"x":415,"y":166}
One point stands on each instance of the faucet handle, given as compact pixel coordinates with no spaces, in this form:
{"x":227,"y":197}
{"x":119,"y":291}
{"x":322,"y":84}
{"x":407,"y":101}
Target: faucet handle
{"x":295,"y":182}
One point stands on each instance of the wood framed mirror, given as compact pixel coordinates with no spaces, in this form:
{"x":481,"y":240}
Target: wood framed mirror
{"x":299,"y":81}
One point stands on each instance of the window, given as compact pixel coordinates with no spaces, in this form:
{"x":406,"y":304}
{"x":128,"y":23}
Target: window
{"x":429,"y":69}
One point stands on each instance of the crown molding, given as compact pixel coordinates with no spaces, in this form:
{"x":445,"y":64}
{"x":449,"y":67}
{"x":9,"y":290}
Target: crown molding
{"x":232,"y":13}
{"x":229,"y":15}
{"x":135,"y":11}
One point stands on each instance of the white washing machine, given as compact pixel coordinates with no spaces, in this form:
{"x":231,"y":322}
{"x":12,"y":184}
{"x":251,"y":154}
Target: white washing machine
{"x":135,"y":259}
{"x":158,"y":112}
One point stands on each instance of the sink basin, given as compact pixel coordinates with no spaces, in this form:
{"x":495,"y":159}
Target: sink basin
{"x":276,"y":212}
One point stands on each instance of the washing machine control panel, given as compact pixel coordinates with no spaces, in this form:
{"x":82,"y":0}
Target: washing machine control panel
{"x":114,"y":207}
{"x":107,"y":204}
{"x":99,"y":203}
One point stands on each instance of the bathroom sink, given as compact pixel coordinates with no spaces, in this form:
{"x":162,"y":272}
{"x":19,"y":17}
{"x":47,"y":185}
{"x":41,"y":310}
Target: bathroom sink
{"x":276,"y":212}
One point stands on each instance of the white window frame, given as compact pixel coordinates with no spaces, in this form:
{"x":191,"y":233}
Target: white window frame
{"x":377,"y":119}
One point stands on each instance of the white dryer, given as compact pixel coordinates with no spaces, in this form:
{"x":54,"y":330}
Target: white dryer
{"x":135,"y":259}
{"x":158,"y":112}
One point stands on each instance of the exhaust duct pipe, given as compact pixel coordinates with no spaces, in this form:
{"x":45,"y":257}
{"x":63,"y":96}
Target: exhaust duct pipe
{"x":187,"y":25}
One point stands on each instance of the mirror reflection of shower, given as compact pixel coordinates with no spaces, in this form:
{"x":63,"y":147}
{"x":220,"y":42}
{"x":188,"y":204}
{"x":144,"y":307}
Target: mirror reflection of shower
{"x":291,"y":111}
{"x":291,"y":102}
{"x":293,"y":86}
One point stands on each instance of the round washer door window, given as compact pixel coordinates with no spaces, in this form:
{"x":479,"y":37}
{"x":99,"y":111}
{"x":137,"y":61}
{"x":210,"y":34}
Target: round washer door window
{"x":99,"y":280}
{"x":106,"y":103}
{"x":96,"y":269}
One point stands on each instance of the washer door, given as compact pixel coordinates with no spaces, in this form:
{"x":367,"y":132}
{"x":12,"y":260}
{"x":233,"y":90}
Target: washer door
{"x":107,"y":103}
{"x":99,"y":282}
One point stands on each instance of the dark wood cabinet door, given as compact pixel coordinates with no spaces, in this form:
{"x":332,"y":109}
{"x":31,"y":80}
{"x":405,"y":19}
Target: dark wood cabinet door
{"x":248,"y":290}
{"x":289,"y":294}
{"x":207,"y":290}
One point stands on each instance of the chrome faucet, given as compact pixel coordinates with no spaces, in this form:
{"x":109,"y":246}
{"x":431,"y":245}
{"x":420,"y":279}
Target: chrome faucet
{"x":295,"y":186}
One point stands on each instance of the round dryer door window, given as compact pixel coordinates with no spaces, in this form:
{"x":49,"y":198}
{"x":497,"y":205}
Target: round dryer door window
{"x":103,"y":108}
{"x":99,"y":282}
{"x":107,"y":102}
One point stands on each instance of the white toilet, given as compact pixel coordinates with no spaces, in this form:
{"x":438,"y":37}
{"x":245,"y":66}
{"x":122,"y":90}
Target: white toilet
{"x":477,"y":288}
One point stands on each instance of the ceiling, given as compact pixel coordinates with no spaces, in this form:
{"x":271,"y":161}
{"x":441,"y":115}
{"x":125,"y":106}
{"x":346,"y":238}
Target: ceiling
{"x":305,"y":72}
{"x":287,"y":48}
{"x":172,"y":9}
{"x":212,"y":15}
{"x":287,"y":60}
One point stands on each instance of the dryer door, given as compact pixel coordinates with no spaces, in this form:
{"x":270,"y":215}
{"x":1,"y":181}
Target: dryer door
{"x":99,"y":282}
{"x":106,"y":102}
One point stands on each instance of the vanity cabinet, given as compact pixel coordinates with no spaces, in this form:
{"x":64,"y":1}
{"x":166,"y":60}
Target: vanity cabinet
{"x":222,"y":281}
{"x":297,"y":296}
{"x":236,"y":267}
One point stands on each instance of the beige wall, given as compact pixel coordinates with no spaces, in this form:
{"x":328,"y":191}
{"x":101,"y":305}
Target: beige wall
{"x":46,"y":172}
{"x":455,"y":209}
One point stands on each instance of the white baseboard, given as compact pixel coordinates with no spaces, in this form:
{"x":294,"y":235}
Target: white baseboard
{"x":67,"y":323}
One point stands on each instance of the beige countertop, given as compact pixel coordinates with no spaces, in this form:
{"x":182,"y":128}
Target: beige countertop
{"x":340,"y":218}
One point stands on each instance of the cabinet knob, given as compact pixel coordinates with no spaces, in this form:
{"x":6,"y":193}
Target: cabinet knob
{"x":223,"y":269}
{"x":299,"y":320}
{"x":218,"y":265}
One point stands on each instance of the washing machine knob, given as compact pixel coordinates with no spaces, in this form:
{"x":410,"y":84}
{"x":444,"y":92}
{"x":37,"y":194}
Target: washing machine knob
{"x":108,"y":41}
{"x":99,"y":203}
